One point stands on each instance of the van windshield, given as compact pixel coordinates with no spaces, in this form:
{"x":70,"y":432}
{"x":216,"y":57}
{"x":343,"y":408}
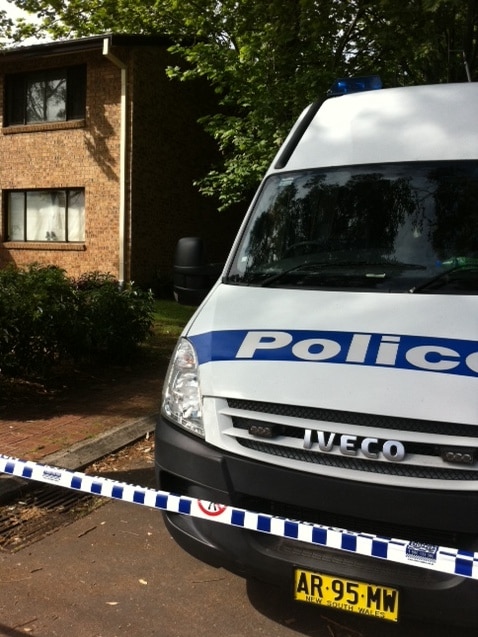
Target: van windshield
{"x":410,"y":227}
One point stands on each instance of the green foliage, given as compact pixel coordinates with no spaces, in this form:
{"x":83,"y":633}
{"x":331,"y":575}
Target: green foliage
{"x":267,"y":59}
{"x":47,"y":319}
{"x":112,"y":321}
{"x":35,"y":311}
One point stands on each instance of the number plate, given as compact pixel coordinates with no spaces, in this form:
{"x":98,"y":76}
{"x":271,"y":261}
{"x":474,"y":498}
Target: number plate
{"x":362,"y":598}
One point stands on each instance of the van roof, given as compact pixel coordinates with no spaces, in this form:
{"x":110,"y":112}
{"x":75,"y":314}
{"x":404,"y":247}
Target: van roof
{"x":416,"y":123}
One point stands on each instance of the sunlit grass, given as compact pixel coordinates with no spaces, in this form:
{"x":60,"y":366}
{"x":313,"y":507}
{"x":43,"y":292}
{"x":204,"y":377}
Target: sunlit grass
{"x":170,"y":317}
{"x":169,"y":320}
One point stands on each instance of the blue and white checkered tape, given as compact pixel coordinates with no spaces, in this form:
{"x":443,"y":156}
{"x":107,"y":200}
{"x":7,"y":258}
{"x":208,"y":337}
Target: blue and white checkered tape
{"x":437,"y":558}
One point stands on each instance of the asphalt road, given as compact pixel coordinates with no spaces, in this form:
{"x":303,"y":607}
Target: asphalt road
{"x":117,"y":572}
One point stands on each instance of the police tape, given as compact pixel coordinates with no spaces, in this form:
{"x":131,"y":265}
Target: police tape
{"x":437,"y":558}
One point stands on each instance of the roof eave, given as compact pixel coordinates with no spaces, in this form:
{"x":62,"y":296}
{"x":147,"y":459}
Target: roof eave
{"x":81,"y":45}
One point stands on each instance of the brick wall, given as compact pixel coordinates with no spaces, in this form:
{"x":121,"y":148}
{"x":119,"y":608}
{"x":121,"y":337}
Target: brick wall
{"x":73,"y":154}
{"x":170,"y":150}
{"x":166,"y":151}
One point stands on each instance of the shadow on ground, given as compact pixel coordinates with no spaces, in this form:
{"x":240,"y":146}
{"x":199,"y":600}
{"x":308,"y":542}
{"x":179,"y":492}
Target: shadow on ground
{"x":129,"y":390}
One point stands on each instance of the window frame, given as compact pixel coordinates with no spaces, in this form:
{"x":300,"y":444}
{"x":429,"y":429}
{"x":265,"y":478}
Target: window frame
{"x":67,"y":192}
{"x":16,"y":95}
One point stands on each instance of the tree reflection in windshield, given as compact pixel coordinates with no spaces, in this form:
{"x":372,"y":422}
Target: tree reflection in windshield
{"x":420,"y":214}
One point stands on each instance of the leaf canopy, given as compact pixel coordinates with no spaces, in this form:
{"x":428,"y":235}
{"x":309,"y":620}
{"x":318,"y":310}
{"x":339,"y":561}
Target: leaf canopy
{"x":267,"y":59}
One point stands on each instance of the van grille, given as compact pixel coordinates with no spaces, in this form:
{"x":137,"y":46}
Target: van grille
{"x":360,"y":465}
{"x":425,"y":443}
{"x":366,"y":420}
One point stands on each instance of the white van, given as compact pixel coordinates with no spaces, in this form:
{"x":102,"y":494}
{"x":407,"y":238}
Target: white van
{"x":331,"y":374}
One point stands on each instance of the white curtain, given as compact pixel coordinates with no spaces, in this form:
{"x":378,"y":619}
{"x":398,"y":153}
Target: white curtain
{"x":16,"y":205}
{"x":76,"y":216}
{"x":45,"y":216}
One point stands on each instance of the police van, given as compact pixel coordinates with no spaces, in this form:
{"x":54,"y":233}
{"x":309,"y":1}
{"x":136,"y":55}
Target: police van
{"x":331,"y":374}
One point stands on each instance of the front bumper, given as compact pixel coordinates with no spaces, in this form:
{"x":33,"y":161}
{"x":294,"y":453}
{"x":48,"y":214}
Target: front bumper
{"x":186,"y":465}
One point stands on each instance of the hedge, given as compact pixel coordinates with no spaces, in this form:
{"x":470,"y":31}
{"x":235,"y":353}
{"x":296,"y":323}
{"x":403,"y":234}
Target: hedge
{"x":47,"y":318}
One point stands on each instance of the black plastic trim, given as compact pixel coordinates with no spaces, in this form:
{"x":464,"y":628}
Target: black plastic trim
{"x":297,"y":135}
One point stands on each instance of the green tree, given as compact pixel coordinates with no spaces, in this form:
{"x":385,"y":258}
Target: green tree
{"x":266,"y":59}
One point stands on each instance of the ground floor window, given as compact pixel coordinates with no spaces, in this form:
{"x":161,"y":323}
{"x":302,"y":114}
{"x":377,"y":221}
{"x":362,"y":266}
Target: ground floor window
{"x":46,"y":215}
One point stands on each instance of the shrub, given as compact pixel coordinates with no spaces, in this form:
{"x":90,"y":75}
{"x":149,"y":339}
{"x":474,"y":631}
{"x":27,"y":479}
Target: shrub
{"x":113,"y":320}
{"x":47,"y":318}
{"x":36,"y":309}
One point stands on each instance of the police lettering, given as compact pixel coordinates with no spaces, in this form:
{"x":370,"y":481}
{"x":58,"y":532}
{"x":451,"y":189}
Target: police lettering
{"x":386,"y":350}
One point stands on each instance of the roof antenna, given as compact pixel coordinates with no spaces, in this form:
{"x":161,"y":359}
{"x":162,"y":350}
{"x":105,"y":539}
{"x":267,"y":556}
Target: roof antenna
{"x":465,"y":62}
{"x":467,"y":68}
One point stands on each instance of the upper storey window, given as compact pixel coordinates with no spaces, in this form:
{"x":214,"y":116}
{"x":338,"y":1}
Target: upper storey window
{"x":53,"y":95}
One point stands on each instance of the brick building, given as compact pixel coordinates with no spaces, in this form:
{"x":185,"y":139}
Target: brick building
{"x":98,"y":154}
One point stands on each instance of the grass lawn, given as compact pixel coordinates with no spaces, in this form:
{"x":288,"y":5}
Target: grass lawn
{"x":170,"y":317}
{"x":168,"y":323}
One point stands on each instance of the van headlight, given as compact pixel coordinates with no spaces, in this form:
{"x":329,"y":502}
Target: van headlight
{"x":181,"y":393}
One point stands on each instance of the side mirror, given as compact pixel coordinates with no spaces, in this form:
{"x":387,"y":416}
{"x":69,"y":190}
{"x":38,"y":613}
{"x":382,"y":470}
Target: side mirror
{"x":192,"y":278}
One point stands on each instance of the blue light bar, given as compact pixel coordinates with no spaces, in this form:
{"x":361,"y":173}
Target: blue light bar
{"x":355,"y":85}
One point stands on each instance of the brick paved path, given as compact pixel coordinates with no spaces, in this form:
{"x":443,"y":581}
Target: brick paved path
{"x":35,"y":423}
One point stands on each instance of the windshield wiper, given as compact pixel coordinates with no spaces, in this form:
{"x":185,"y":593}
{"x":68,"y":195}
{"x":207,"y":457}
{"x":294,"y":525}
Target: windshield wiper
{"x":441,"y":280}
{"x":278,"y":275}
{"x":328,"y":265}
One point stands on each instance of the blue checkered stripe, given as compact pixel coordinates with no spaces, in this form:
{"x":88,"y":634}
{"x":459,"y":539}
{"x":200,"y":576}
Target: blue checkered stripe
{"x":437,"y":558}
